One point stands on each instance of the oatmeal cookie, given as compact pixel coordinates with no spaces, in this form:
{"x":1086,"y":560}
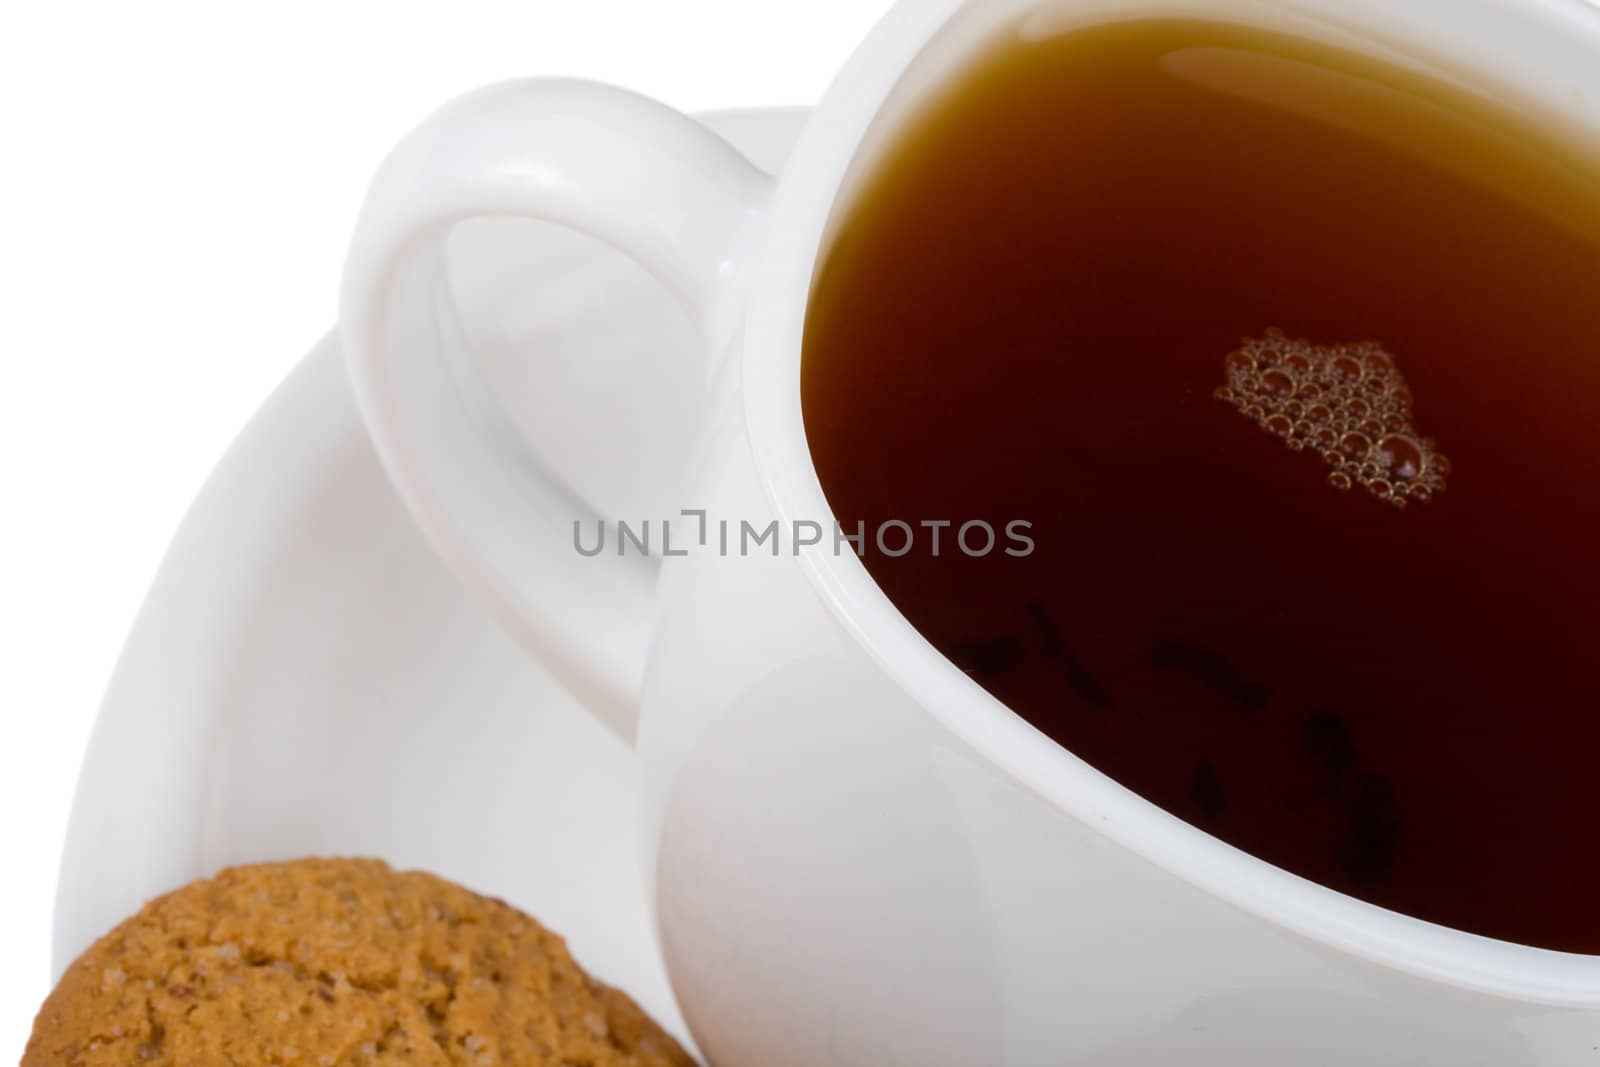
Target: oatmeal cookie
{"x":326,"y":963}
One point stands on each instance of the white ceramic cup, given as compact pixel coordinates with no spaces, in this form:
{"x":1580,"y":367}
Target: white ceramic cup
{"x":855,"y":855}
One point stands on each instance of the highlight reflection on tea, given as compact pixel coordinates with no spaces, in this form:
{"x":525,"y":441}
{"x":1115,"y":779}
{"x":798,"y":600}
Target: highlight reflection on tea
{"x":1051,"y":300}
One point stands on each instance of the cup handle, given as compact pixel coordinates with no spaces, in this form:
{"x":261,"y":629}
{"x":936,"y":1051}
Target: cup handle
{"x":653,"y":183}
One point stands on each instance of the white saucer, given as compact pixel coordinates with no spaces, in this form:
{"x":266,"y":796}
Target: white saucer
{"x":305,"y":678}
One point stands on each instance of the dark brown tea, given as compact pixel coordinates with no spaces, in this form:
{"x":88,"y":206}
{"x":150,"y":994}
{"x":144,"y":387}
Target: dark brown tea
{"x":1292,"y":361}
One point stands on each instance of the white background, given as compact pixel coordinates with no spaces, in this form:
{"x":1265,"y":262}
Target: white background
{"x":176,"y":186}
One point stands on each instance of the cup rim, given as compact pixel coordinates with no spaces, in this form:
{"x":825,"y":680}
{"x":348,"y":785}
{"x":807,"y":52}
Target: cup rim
{"x":770,"y":364}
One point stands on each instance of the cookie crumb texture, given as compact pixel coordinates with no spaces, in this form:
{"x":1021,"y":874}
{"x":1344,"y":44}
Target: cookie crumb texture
{"x":318,"y":963}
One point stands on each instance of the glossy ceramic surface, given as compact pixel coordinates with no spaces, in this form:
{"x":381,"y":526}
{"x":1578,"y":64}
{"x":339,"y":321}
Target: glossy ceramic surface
{"x":305,"y":677}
